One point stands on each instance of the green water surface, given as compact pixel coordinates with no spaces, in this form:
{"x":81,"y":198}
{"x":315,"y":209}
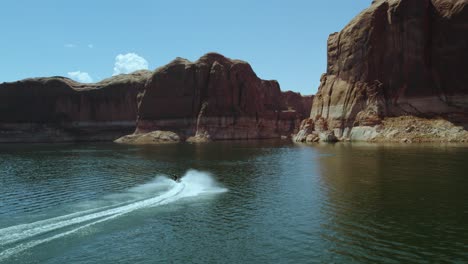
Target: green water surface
{"x":272,"y":202}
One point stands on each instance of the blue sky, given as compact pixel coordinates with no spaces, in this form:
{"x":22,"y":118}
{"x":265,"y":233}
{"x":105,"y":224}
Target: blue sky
{"x":282,"y":40}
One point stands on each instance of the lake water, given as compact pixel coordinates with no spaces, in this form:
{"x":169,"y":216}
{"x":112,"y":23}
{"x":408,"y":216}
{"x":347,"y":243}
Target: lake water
{"x":238,"y":202}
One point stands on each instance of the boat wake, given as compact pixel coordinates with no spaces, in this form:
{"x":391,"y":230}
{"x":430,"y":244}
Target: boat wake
{"x":18,"y":238}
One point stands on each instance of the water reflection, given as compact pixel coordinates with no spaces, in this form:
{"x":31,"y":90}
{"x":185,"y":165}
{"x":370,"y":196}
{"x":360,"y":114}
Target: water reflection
{"x":400,"y":203}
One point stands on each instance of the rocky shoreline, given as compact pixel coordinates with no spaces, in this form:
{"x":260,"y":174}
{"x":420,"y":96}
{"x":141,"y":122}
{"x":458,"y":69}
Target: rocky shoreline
{"x":402,"y":129}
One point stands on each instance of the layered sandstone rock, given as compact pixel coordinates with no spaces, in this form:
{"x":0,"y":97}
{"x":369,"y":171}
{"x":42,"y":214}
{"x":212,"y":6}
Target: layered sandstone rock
{"x":296,"y":102}
{"x":397,"y":58}
{"x":213,"y":98}
{"x":58,"y":109}
{"x":216,"y":98}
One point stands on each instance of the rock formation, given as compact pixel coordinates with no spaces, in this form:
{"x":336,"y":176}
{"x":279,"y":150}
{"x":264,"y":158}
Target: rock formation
{"x":212,"y":99}
{"x":58,"y":109}
{"x":296,"y":102}
{"x":151,"y":138}
{"x":216,"y":98}
{"x":396,"y":58}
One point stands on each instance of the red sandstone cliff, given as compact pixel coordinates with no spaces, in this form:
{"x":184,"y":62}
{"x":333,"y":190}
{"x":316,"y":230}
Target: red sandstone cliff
{"x":396,"y":58}
{"x":58,"y":109}
{"x":297,"y":102}
{"x":216,"y":98}
{"x":212,"y":98}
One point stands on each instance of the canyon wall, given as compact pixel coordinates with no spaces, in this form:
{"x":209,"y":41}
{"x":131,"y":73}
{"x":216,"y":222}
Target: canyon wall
{"x":58,"y":109}
{"x":216,"y":98}
{"x":397,"y":58}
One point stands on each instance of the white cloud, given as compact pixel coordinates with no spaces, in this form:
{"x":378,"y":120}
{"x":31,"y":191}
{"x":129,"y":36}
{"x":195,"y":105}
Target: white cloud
{"x":90,"y":46}
{"x":80,"y":76}
{"x":130,"y":62}
{"x":70,"y":45}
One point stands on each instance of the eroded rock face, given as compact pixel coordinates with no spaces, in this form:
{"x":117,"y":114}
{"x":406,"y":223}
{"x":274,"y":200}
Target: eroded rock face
{"x":306,"y":129}
{"x":216,"y":98}
{"x":296,"y":102}
{"x":58,"y":109}
{"x":398,"y":57}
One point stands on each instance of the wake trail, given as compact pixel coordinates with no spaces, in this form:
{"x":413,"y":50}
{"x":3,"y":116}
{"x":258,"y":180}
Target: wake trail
{"x":22,"y":247}
{"x":40,"y":227}
{"x":4,"y":232}
{"x":192,"y":184}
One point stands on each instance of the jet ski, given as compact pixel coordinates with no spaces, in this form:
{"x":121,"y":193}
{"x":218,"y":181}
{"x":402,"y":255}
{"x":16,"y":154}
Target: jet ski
{"x":176,"y":178}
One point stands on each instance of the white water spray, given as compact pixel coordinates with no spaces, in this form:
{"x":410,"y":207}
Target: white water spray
{"x":192,"y":184}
